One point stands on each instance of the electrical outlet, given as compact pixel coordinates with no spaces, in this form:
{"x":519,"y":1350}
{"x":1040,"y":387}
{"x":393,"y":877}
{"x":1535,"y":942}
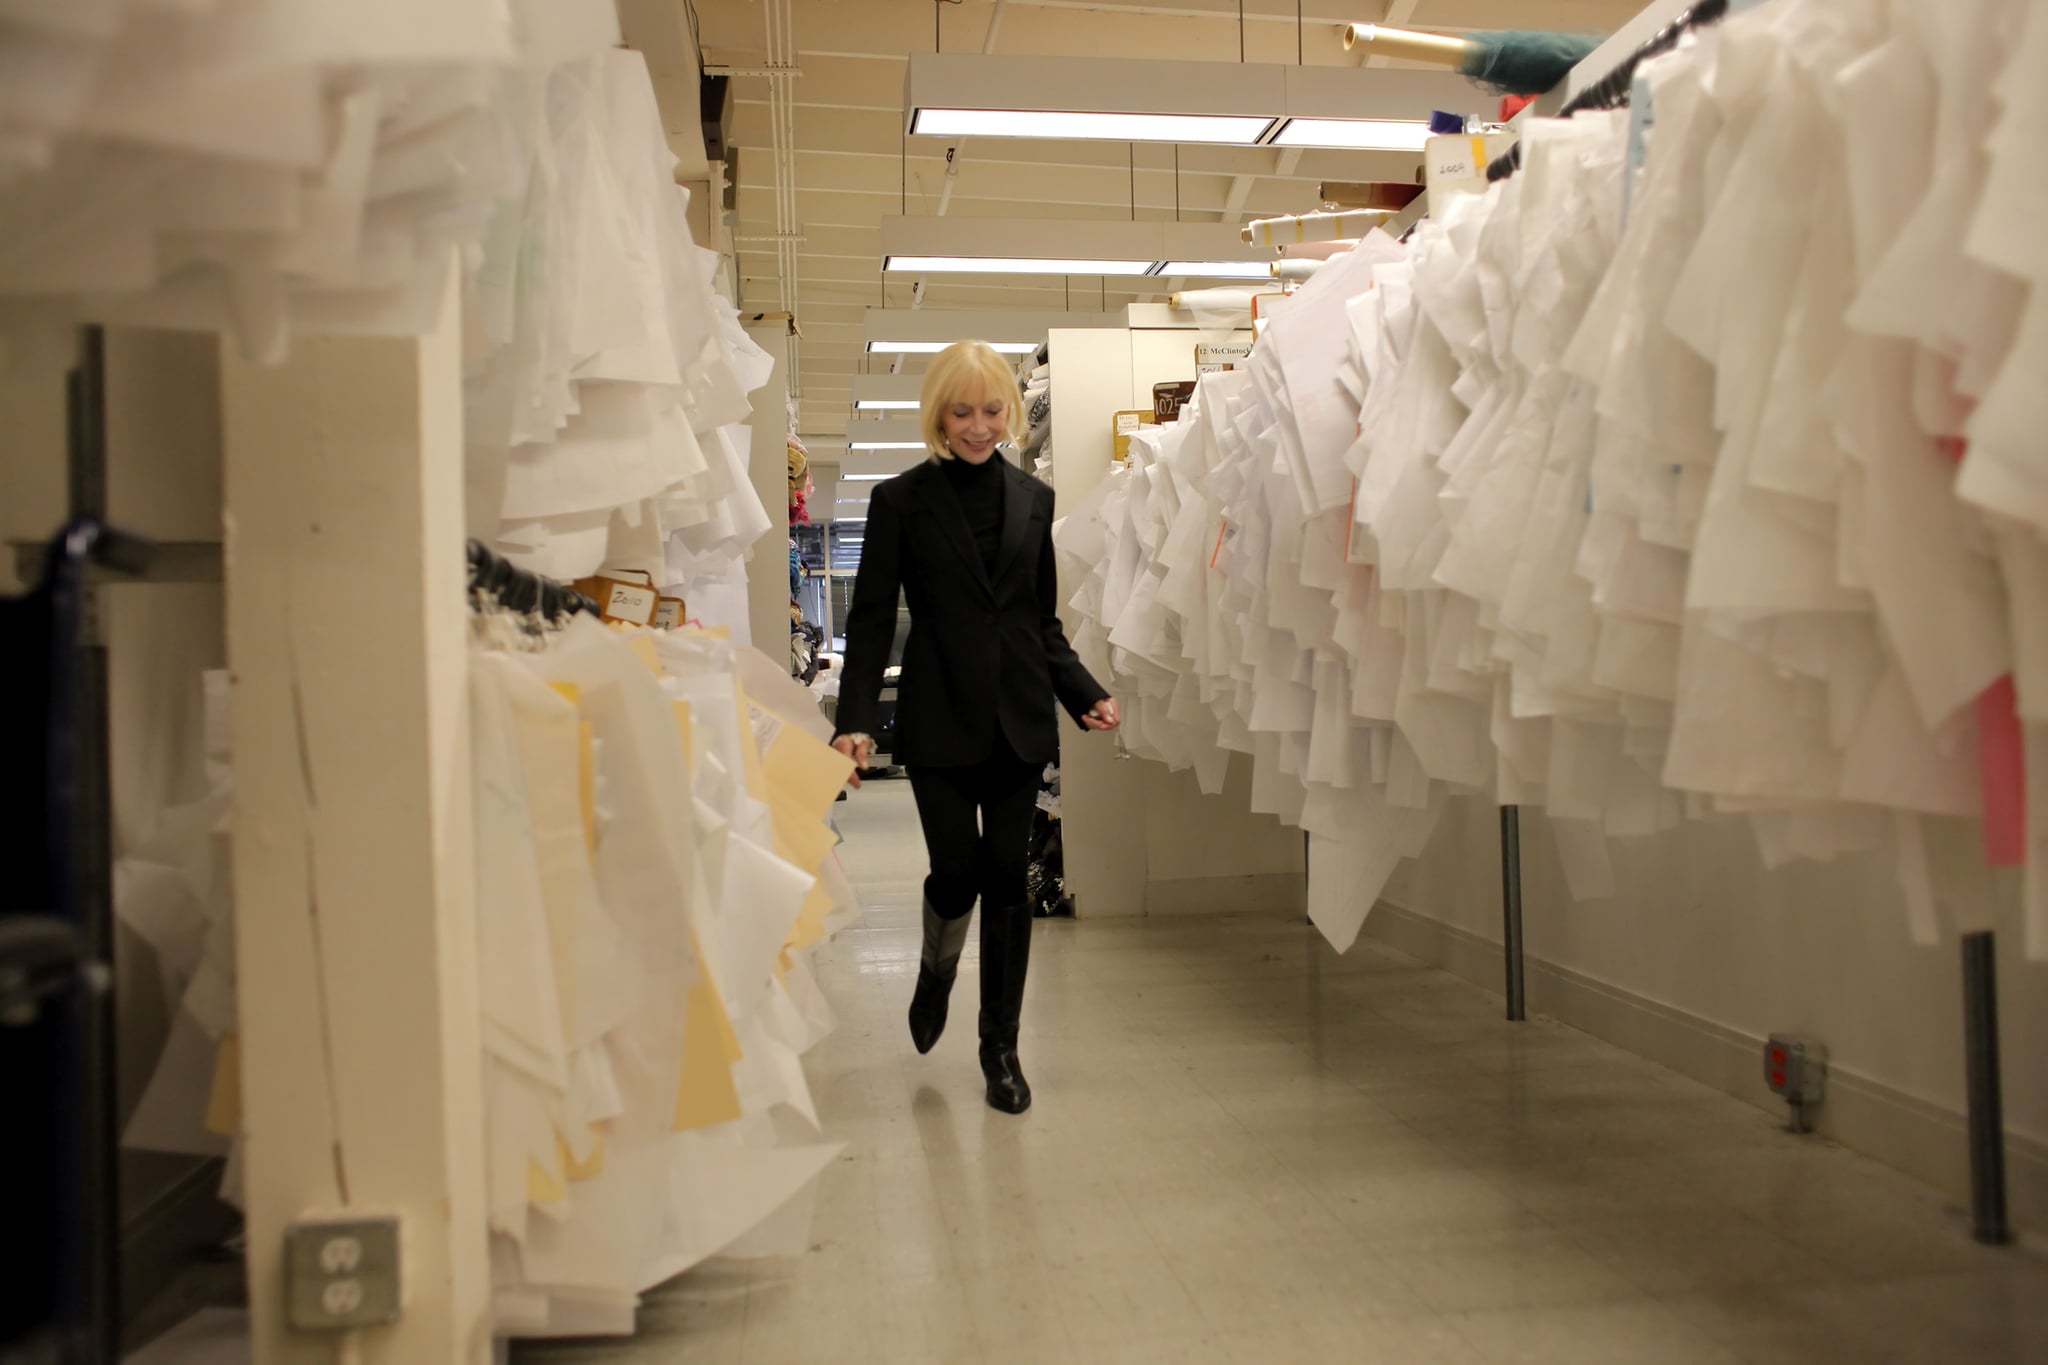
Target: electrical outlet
{"x":1796,"y":1069}
{"x":342,"y":1272}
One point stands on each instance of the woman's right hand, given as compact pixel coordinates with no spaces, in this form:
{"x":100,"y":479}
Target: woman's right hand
{"x":859,"y":749}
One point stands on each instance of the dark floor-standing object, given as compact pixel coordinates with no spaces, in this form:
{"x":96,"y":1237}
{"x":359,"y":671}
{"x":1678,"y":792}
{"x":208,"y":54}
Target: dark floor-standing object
{"x":1987,"y":1109}
{"x":1511,"y":906}
{"x":92,"y":852}
{"x":57,"y":1043}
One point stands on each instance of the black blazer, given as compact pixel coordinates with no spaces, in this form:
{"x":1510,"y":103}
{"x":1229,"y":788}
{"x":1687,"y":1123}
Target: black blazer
{"x":985,"y":650}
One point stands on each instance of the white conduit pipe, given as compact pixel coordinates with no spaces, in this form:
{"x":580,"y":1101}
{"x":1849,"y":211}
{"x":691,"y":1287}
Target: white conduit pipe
{"x":778,"y":19}
{"x":1313,"y":227}
{"x":988,"y":45}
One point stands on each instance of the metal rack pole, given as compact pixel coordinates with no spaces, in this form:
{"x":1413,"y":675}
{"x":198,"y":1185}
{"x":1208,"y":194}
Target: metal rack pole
{"x":93,"y":873}
{"x":1987,"y":1116}
{"x":1511,"y":906}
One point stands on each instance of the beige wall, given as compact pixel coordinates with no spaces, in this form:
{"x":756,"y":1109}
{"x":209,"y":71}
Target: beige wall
{"x":1703,"y":952}
{"x":1199,"y":853}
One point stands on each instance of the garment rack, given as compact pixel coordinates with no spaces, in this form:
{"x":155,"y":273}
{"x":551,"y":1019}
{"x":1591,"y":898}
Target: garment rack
{"x":522,"y":590}
{"x":1612,"y":90}
{"x":1990,"y":1223}
{"x":57,"y":950}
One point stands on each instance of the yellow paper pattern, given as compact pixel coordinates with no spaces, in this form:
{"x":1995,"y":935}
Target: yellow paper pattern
{"x":642,"y":645}
{"x":587,"y":762}
{"x":543,"y":741}
{"x":583,"y":1170}
{"x":805,"y":775}
{"x":688,"y":727}
{"x":543,"y":1186}
{"x":710,"y":1047}
{"x":750,"y":748}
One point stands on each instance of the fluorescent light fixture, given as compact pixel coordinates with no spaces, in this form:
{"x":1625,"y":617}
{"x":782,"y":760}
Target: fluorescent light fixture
{"x":1217,"y":270}
{"x":886,"y":392}
{"x":921,"y":331}
{"x":960,"y":94}
{"x":1215,"y":103}
{"x":883,"y":464}
{"x":1357,"y":135}
{"x":1028,"y":246}
{"x":894,"y":433}
{"x":1366,"y":109}
{"x":934,"y":347}
{"x":864,"y":478}
{"x":1215,"y":129}
{"x":1013,"y":265}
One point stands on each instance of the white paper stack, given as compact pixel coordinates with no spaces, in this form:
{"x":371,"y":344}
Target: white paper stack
{"x":607,"y":400}
{"x":1640,"y":516}
{"x":260,"y":166}
{"x":655,"y":868}
{"x":265,"y":167}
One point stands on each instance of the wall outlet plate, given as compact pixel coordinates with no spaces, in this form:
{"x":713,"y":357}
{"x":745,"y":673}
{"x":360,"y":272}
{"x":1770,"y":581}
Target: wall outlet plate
{"x":1796,"y":1067}
{"x":343,"y":1272}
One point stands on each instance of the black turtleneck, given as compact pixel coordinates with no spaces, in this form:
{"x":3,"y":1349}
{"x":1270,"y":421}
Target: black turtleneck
{"x":980,"y":490}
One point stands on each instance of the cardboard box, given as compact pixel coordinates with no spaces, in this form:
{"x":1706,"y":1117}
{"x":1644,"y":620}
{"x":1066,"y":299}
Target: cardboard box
{"x":619,"y":598}
{"x":1121,"y":425}
{"x":1167,"y":398}
{"x":1214,"y":356}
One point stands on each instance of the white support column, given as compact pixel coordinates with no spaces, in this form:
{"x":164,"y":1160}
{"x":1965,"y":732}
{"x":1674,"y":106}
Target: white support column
{"x":355,"y":934}
{"x":1140,"y":839}
{"x":1101,"y":799}
{"x":768,"y":462}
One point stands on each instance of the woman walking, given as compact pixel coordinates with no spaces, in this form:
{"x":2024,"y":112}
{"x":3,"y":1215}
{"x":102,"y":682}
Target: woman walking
{"x":966,"y":537}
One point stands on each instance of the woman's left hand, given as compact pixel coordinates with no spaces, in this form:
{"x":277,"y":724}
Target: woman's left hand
{"x":1103,"y":715}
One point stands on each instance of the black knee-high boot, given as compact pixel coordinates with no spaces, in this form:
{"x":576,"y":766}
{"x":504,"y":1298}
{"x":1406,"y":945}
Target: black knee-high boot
{"x":1005,"y":957}
{"x":943,"y":940}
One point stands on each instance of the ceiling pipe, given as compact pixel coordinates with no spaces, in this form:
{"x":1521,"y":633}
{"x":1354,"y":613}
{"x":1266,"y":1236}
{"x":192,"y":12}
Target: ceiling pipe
{"x":778,"y":18}
{"x":988,"y":45}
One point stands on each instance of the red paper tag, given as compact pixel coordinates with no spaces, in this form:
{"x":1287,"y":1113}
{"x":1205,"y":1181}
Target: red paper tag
{"x":2003,"y":752}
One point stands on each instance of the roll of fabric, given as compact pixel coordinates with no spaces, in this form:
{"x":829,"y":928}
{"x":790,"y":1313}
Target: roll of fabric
{"x":1511,"y":62}
{"x":1219,"y":307}
{"x":1316,"y":251}
{"x":1295,"y":271}
{"x":1313,"y":227}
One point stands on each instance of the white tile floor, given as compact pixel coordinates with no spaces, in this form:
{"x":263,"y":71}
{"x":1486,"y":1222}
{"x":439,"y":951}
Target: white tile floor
{"x":1245,"y":1148}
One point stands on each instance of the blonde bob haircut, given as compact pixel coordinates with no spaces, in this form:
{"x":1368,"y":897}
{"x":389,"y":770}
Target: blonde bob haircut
{"x":969,"y":371}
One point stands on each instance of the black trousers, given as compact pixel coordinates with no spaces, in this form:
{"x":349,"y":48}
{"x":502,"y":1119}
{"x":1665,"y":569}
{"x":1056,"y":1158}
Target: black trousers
{"x":977,"y":830}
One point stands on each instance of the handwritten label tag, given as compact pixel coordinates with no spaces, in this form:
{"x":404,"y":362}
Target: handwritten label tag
{"x":1213,"y":356}
{"x":1456,"y":162}
{"x":629,"y":602}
